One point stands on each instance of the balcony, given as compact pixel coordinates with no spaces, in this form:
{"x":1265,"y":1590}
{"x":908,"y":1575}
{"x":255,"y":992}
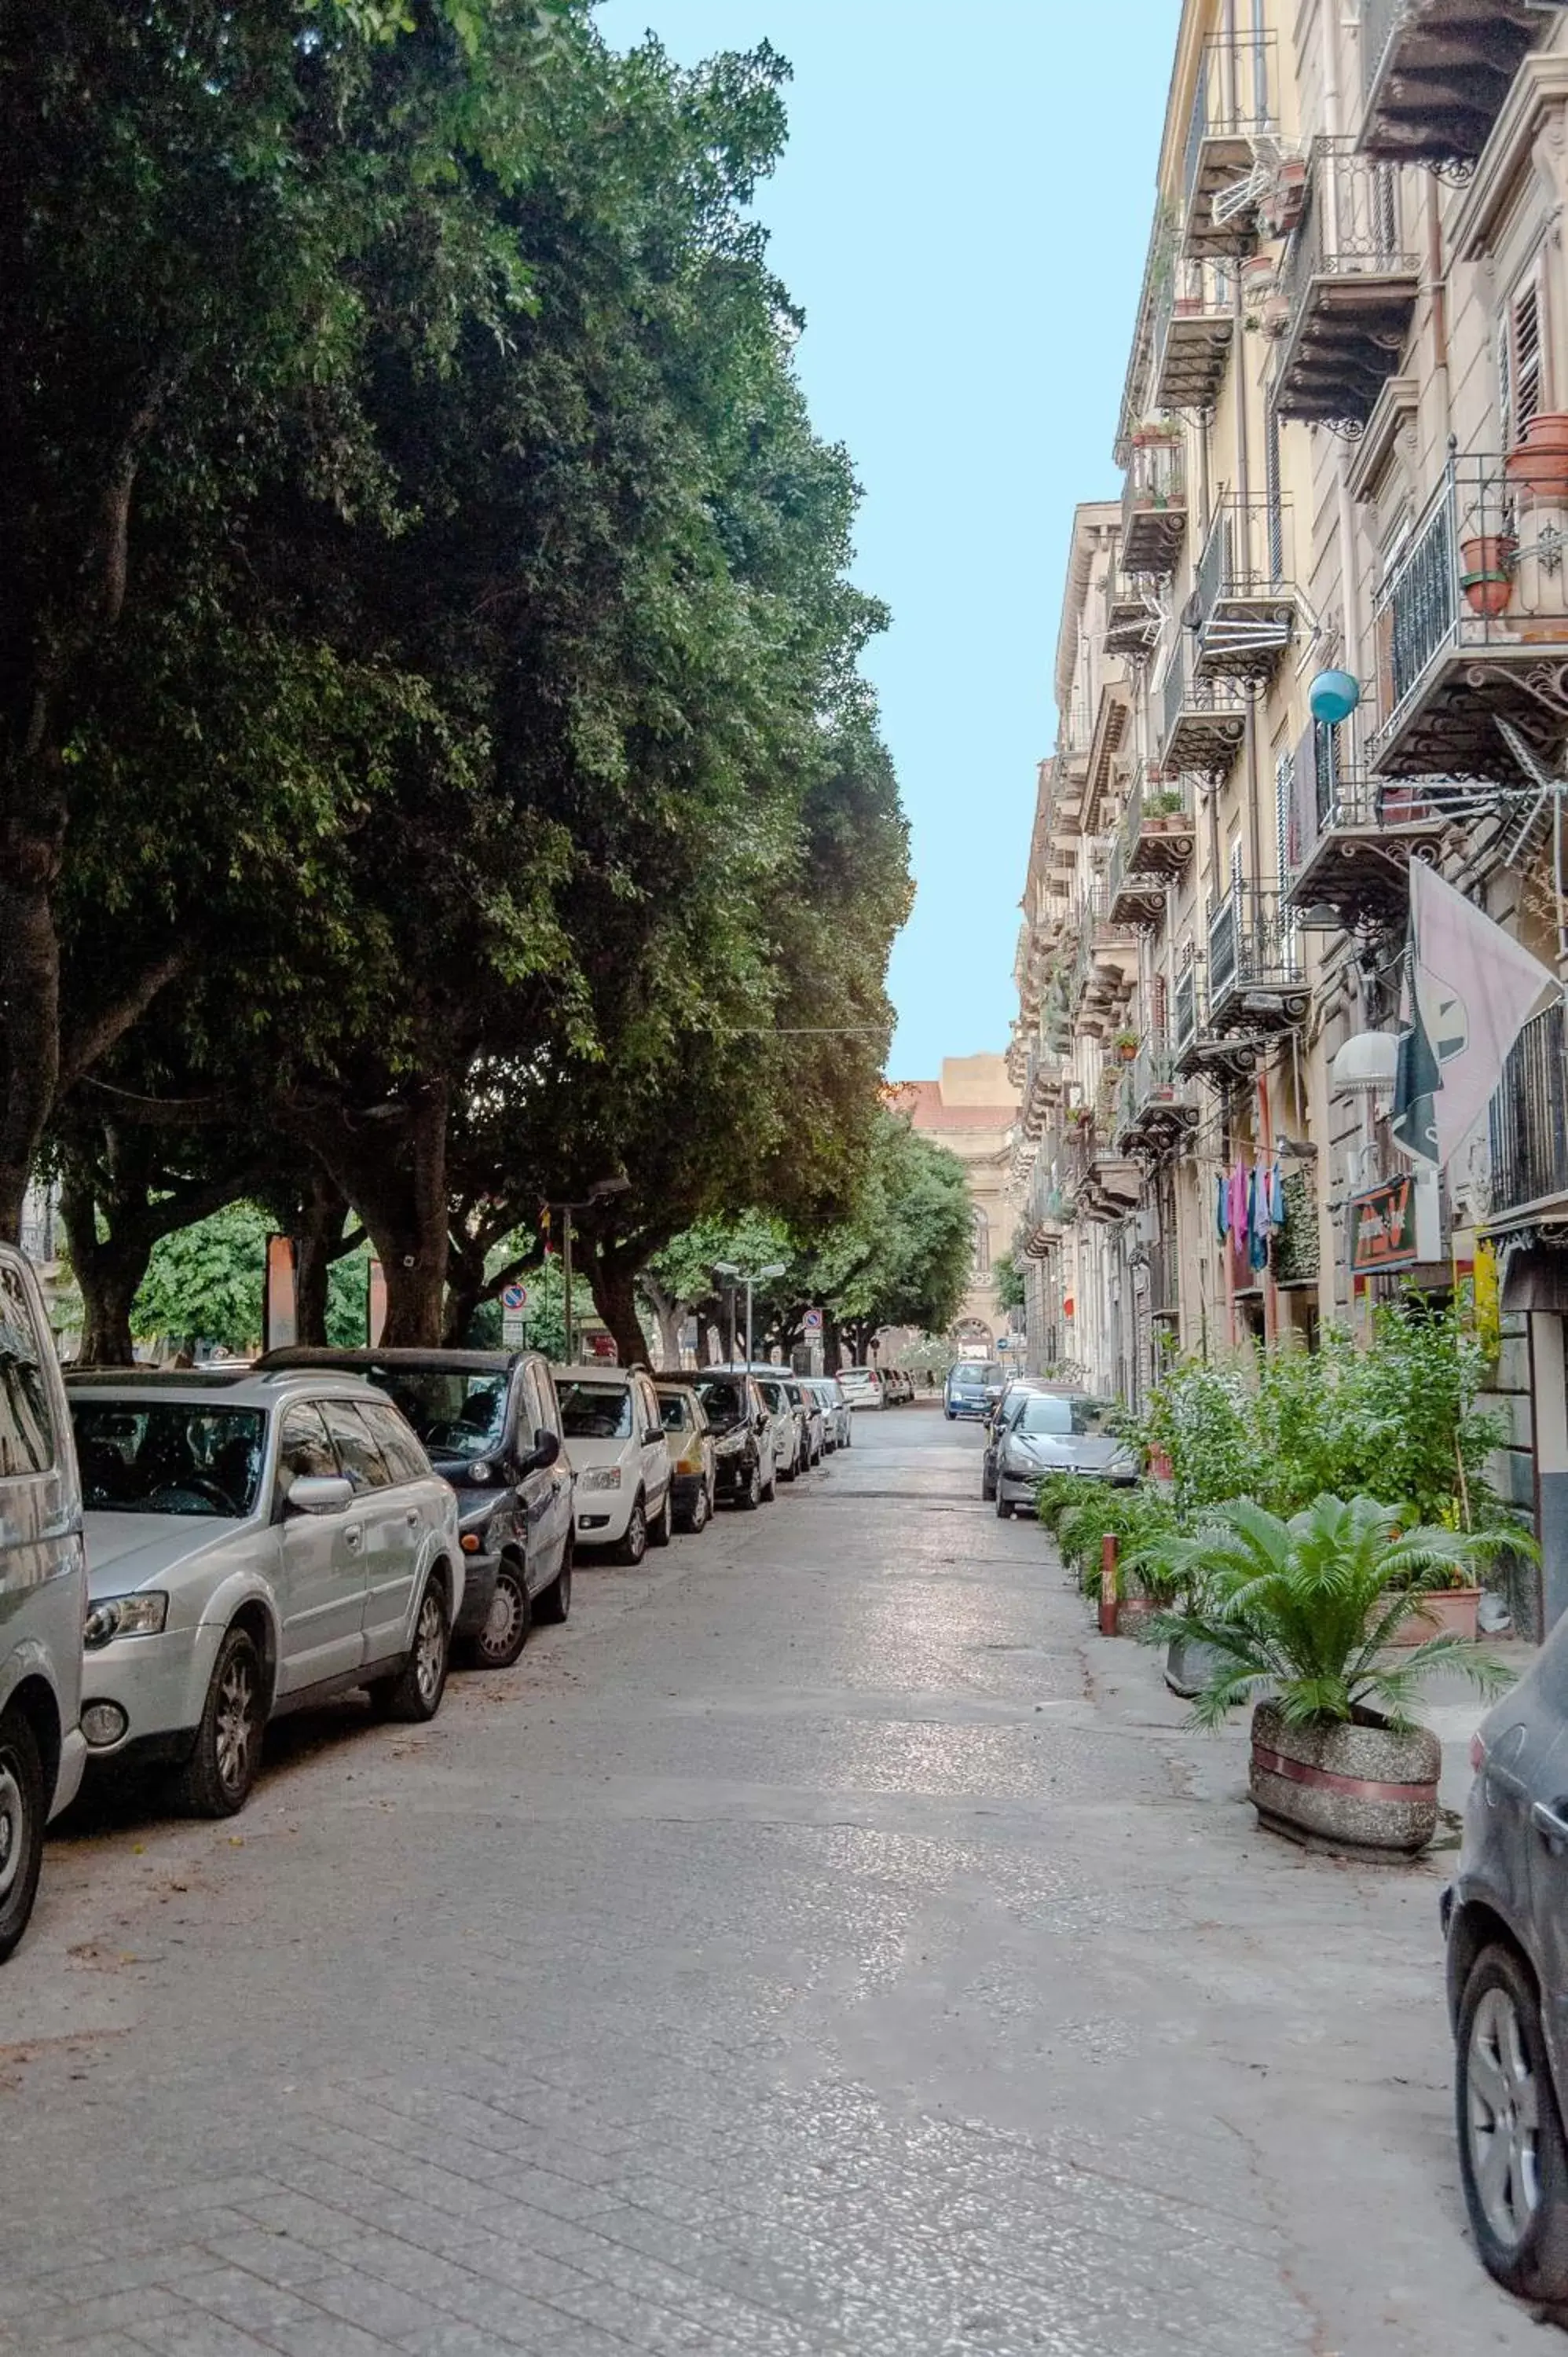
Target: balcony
{"x":1106,"y":968}
{"x":1156,"y":840}
{"x":1351,"y":837}
{"x":1153,"y":504}
{"x":1471,"y":622}
{"x":1132,"y":617}
{"x":1203,"y":721}
{"x":1437,"y":74}
{"x":1349,"y":282}
{"x":1246,"y":602}
{"x":1233,"y":105}
{"x":1194,"y":325}
{"x":1530,"y":1121}
{"x":1255,"y":979}
{"x":1042,"y":1087}
{"x":1101,"y":1184}
{"x":1154,"y":1112}
{"x":1045,"y":1204}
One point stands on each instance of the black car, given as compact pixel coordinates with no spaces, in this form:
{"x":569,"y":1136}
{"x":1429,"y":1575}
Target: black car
{"x":491,"y":1426}
{"x":1506,"y":1916}
{"x":740,"y":1424}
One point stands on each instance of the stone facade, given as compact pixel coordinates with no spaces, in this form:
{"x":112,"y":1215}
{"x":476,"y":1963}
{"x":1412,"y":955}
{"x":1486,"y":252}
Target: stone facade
{"x":973,"y":1109}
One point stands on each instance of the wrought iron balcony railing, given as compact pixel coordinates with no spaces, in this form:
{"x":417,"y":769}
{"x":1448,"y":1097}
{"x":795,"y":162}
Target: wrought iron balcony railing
{"x":1204,"y":720}
{"x":1529,"y":1117}
{"x":1235,"y":100}
{"x":1194,"y":320}
{"x":1252,"y":947}
{"x":1348,"y":283}
{"x":1153,"y":504}
{"x":1246,"y":594}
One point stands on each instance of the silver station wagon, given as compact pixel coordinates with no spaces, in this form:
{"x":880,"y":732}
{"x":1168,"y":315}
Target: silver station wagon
{"x":255,"y":1542}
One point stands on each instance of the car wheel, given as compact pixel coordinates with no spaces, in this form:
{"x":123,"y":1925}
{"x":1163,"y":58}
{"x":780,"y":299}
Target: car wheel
{"x":1003,"y":1509}
{"x":697,"y":1520}
{"x":23,"y":1809}
{"x":769,"y":1489}
{"x":788,"y":1472}
{"x":555,"y":1603}
{"x":498,"y":1645}
{"x":634,"y":1546}
{"x":663,"y":1526}
{"x":415,"y":1695}
{"x":987,"y":1486}
{"x":1511,"y":2153}
{"x":750,"y":1498}
{"x":216,"y":1780}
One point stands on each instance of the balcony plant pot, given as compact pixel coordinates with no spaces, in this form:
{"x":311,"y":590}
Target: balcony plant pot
{"x":1487,"y":577}
{"x":1355,"y":1790}
{"x":1539,"y":465}
{"x":1441,"y":1612}
{"x":1126,"y":1047}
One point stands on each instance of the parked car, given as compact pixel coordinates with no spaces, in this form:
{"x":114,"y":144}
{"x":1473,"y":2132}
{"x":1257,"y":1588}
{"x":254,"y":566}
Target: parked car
{"x":255,"y":1542}
{"x":1053,"y":1433}
{"x":621,"y":1455}
{"x":862,"y":1386}
{"x":693,"y":1464}
{"x":901,"y":1388}
{"x":744,"y":1465}
{"x":837,"y":1425}
{"x":1506,"y":1918}
{"x":813,"y":1426}
{"x":974,"y":1387}
{"x":491,"y":1424}
{"x":43,"y":1595}
{"x":1002,"y":1416}
{"x":788,"y":1430}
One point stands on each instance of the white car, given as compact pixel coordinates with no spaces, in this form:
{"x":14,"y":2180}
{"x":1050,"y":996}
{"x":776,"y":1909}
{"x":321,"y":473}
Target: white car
{"x":621,"y":1453}
{"x":862,"y":1387}
{"x":838,"y":1430}
{"x":787,"y":1430}
{"x":255,"y":1542}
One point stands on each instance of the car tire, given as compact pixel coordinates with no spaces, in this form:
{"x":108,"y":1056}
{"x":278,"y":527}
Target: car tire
{"x":555,"y":1604}
{"x":500,"y":1641}
{"x":1003,"y":1509}
{"x":987,"y":1487}
{"x":216,"y":1781}
{"x":788,"y":1472}
{"x":696,"y":1519}
{"x":24,"y":1808}
{"x":953,"y":1415}
{"x":750,"y":1497}
{"x":413,"y":1695}
{"x":634,"y":1546}
{"x":1519,"y":2217}
{"x":768,"y":1490}
{"x":662,"y":1528}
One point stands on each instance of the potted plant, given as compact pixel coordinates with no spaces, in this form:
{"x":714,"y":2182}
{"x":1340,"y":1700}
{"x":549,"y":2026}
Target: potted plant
{"x":1487,"y":575}
{"x":1538,"y":465}
{"x":1300,"y":1615}
{"x":1126,"y":1046}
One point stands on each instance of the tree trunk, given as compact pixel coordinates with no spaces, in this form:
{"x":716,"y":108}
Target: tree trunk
{"x":670,"y":1315}
{"x":395,"y":1177}
{"x":613,"y":1279}
{"x":32,"y":834}
{"x":322,"y":1219}
{"x":109,"y":1273}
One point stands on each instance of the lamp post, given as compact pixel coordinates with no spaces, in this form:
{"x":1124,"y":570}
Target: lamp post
{"x":748,"y":1277}
{"x":601,"y":1191}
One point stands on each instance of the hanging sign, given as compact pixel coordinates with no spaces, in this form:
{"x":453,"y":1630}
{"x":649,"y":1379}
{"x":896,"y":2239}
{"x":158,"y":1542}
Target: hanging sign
{"x":1392,"y":1226}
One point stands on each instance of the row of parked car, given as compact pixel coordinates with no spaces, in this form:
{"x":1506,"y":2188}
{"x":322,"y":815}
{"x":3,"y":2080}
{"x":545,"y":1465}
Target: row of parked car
{"x":185,"y":1556}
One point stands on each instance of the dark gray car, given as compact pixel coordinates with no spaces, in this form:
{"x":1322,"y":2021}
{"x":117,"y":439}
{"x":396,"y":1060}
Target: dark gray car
{"x":1053,"y":1434}
{"x":1506,"y":1921}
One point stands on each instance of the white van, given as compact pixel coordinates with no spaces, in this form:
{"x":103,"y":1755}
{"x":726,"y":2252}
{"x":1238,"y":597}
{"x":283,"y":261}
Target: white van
{"x":43,"y":1595}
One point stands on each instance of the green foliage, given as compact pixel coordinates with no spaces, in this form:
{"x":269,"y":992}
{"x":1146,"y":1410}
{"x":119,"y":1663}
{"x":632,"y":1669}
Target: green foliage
{"x":546,"y":1314}
{"x":1301,"y":1610}
{"x":205,"y":1283}
{"x":903,"y":1256}
{"x":1008,"y":1279}
{"x":1083,"y":1514}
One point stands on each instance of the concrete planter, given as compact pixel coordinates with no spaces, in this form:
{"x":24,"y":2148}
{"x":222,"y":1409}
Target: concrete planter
{"x":1442,"y":1612}
{"x":1133,"y":1614}
{"x":1189,"y":1666}
{"x":1358,"y":1791}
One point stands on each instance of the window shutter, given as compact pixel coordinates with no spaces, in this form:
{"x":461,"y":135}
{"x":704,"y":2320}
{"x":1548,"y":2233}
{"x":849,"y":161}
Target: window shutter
{"x":1504,"y":380}
{"x":1525,"y":373}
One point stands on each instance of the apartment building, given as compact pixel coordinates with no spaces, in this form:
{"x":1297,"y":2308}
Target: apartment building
{"x":1344,"y":449}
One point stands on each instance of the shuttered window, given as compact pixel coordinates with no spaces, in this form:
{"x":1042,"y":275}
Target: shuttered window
{"x":1521,"y":357}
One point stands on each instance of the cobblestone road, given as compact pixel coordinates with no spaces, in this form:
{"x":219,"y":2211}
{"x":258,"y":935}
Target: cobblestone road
{"x":822,"y":1947}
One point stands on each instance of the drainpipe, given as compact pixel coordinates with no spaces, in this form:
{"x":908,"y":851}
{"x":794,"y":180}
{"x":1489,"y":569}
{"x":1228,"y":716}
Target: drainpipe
{"x":1437,"y":288}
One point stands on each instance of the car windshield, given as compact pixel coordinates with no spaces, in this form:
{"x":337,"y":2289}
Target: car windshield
{"x":1053,"y":1414}
{"x":725,"y":1402}
{"x":454,"y":1415}
{"x":169,"y":1457}
{"x":776,"y":1395}
{"x":596,"y":1411}
{"x":975,"y":1378}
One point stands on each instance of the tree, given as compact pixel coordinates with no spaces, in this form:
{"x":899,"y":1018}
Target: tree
{"x":1008,"y":1279}
{"x":206,"y":1283}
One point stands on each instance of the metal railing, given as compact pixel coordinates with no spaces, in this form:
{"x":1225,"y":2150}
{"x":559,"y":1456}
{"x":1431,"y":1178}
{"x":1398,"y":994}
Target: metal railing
{"x":1152,"y":1078}
{"x":1190,"y":290}
{"x":1251,"y":941}
{"x":1353,"y":222}
{"x":1156,"y":477}
{"x":1530,"y":1116}
{"x":1246,"y":555}
{"x":1235,"y":95}
{"x":1184,"y":692}
{"x":1185,"y":1008}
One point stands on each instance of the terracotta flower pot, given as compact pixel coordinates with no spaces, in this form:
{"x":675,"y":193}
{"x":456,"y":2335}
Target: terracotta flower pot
{"x":1539,"y":465}
{"x":1441,"y":1612}
{"x":1487,"y":577}
{"x":1359,"y":1791}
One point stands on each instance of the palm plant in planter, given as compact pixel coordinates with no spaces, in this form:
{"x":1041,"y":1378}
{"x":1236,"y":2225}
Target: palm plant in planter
{"x":1302,"y":1613}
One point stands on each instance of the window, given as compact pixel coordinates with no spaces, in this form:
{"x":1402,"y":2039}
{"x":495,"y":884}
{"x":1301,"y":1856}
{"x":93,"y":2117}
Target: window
{"x":305,"y":1450}
{"x":26,"y":1433}
{"x":405,"y":1459}
{"x":675,"y":1410}
{"x":596,"y":1411}
{"x":169,"y":1457}
{"x":725,"y":1400}
{"x":359,"y":1459}
{"x":1522,"y":361}
{"x":982,"y":1246}
{"x":550,"y":1407}
{"x":454,"y":1415}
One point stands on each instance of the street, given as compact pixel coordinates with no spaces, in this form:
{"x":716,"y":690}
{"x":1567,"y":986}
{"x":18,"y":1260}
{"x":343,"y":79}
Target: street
{"x":824,"y":1943}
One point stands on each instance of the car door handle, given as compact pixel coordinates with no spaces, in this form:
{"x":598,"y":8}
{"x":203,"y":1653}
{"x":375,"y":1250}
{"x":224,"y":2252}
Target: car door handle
{"x":1547,"y":1818}
{"x":353,"y":1536}
{"x":412,"y":1518}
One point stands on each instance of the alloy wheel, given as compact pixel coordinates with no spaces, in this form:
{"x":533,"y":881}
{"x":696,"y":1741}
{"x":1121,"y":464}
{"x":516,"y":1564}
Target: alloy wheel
{"x":430,"y":1649}
{"x":1503,"y":2119}
{"x":12,"y":1828}
{"x":500,"y":1633}
{"x":234,"y":1726}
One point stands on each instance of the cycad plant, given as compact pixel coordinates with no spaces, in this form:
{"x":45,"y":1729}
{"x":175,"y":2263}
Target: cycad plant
{"x":1301,"y":1611}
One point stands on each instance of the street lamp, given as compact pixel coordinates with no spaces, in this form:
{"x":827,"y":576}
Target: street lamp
{"x":748,"y":1277}
{"x":599,"y":1193}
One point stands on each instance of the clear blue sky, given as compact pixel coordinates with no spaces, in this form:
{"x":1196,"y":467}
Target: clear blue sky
{"x":962,"y":213}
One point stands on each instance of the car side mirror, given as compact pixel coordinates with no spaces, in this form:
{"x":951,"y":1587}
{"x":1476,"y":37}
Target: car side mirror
{"x":318,"y":1493}
{"x":545,"y":1452}
{"x":652,"y":1433}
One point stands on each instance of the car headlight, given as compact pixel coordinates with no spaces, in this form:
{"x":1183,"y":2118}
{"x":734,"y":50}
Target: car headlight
{"x":124,"y":1616}
{"x":600,"y":1477}
{"x":481,"y":1470}
{"x":731,"y":1445}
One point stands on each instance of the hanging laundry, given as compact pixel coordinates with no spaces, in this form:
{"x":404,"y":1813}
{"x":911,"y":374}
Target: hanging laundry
{"x":1277,"y":1196}
{"x":1258,"y":1220}
{"x":1238,"y":1206}
{"x":1221,"y":1209}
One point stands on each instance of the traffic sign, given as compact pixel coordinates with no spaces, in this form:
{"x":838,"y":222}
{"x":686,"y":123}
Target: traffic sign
{"x":515,"y":1297}
{"x":514,"y":1330}
{"x":812,"y":1323}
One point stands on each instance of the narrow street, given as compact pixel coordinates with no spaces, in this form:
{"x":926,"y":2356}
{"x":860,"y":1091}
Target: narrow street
{"x":822,"y":1944}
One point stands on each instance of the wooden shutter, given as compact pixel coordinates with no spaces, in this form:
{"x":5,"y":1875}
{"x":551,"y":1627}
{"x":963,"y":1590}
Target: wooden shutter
{"x":1522,"y":358}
